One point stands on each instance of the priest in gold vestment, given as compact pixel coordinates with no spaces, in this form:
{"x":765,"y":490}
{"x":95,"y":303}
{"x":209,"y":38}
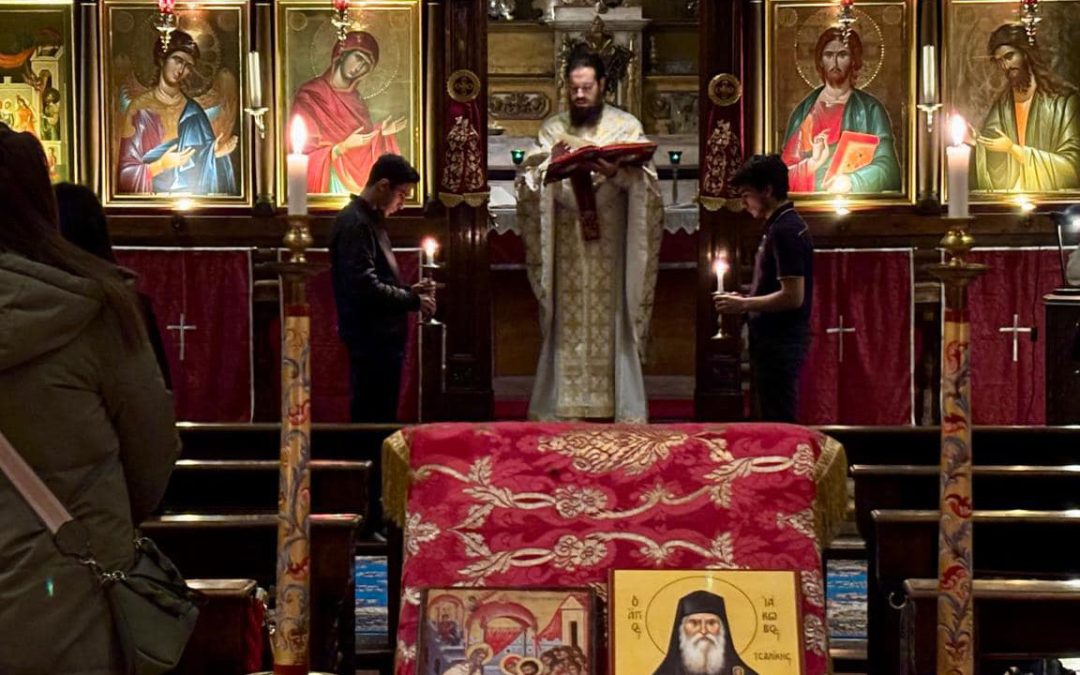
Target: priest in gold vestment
{"x":595,"y":295}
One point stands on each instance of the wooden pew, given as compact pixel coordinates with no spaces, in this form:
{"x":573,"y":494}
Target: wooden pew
{"x":251,"y":486}
{"x":1014,"y":620}
{"x":993,"y":445}
{"x":910,"y":486}
{"x":906,"y":547}
{"x":231,"y":616}
{"x":260,"y":441}
{"x":222,"y":546}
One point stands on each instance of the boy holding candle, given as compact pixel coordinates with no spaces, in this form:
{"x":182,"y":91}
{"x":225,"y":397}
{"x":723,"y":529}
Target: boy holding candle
{"x":779,"y":302}
{"x":372,"y":303}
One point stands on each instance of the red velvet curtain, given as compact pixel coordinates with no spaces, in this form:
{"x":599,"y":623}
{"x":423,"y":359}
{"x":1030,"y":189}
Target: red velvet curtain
{"x":1004,"y":391}
{"x":211,"y":290}
{"x":872,"y":291}
{"x":330,"y":392}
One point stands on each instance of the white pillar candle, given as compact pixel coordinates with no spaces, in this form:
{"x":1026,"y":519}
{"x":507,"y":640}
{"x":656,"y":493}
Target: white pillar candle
{"x":929,"y":75}
{"x":959,"y":159}
{"x":721,"y":268}
{"x":297,"y":167}
{"x":254,"y":81}
{"x":429,"y":246}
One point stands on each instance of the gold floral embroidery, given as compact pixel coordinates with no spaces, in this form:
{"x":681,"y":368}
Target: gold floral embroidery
{"x":571,"y":553}
{"x":572,"y":501}
{"x":418,"y":532}
{"x":802,"y":522}
{"x":601,"y":451}
{"x":814,"y":633}
{"x":813,"y":588}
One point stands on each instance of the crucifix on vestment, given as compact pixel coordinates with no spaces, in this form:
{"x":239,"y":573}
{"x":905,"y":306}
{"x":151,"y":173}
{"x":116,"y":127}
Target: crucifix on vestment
{"x":1015,"y":329}
{"x":182,"y":328}
{"x":840,"y":330}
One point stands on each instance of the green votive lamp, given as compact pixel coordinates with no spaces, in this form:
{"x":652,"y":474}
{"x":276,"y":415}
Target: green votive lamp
{"x":517,"y":156}
{"x":675,"y":156}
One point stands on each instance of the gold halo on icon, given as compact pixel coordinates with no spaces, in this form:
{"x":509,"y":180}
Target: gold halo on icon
{"x":806,"y":36}
{"x":662,"y":606}
{"x":376,"y":82}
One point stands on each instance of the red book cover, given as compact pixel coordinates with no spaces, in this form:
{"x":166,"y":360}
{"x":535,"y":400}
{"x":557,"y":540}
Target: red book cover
{"x":854,"y":151}
{"x":573,"y":161}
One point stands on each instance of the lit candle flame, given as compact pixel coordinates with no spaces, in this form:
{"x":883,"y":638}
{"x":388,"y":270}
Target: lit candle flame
{"x":183,"y":204}
{"x":1025,"y":204}
{"x":430,"y":246}
{"x":957,"y":129}
{"x":720,"y":266}
{"x":840,"y":205}
{"x":298,"y":135}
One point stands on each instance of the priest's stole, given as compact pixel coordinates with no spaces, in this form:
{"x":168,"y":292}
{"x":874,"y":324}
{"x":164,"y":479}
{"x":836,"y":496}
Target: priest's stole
{"x":1008,"y":321}
{"x":859,"y":369}
{"x":330,"y":393}
{"x":202,"y":300}
{"x":540,"y":505}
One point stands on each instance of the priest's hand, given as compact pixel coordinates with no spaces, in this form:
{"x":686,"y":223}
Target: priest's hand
{"x":1000,"y":144}
{"x":839,"y":184}
{"x":602,"y":166}
{"x":224,"y":146}
{"x":729,"y":303}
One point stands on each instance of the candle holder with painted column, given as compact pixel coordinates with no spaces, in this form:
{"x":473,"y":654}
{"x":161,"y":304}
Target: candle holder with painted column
{"x":290,"y":635}
{"x":720,"y":268}
{"x":955,"y":618}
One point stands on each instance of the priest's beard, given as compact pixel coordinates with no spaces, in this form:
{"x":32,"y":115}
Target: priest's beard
{"x":1019,"y":79}
{"x":702,"y":654}
{"x":586,"y":116}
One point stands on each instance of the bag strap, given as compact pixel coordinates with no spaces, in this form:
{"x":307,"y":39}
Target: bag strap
{"x":40,"y":498}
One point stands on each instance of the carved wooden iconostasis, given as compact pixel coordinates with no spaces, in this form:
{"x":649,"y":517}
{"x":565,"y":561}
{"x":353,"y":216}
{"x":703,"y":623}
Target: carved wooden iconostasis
{"x":459,"y":84}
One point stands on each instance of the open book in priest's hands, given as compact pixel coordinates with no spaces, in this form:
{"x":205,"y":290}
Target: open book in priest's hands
{"x":565,"y":162}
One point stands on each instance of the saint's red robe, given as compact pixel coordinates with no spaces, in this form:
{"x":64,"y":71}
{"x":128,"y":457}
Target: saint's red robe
{"x":331,"y":116}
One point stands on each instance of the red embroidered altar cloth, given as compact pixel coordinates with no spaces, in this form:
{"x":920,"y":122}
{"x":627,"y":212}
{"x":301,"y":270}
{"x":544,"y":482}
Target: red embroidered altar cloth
{"x":531,"y":504}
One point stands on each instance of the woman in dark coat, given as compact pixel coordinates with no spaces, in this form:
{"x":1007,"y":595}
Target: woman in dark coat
{"x":82,"y":400}
{"x":83,"y":223}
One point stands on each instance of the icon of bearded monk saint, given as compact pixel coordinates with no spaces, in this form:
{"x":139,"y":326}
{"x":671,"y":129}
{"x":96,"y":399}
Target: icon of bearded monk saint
{"x":343,"y":142}
{"x":701,"y":642}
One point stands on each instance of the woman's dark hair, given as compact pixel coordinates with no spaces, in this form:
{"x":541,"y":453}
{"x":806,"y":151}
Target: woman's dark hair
{"x":82,"y":220}
{"x":760,"y":171}
{"x":29,"y":227}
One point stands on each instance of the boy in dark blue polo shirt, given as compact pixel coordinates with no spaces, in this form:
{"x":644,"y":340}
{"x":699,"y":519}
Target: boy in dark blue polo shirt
{"x":779,"y":301}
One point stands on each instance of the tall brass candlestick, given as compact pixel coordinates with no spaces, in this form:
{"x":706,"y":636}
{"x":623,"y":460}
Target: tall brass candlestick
{"x":293,"y":601}
{"x":955,"y":632}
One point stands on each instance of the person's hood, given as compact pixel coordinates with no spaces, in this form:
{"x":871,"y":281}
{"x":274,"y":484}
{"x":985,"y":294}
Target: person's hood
{"x":42,"y":308}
